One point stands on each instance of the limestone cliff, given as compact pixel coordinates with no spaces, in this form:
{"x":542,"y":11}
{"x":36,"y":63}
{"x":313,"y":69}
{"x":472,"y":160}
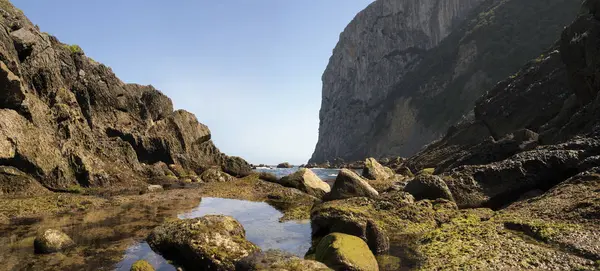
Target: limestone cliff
{"x":404,"y":71}
{"x":66,"y":120}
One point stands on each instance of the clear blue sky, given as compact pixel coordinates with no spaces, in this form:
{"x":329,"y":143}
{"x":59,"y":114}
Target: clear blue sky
{"x":249,"y":69}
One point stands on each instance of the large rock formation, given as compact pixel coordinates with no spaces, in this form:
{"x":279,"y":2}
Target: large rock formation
{"x":66,"y":120}
{"x":404,"y":71}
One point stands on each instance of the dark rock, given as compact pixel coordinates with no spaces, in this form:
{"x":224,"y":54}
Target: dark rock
{"x":278,"y":260}
{"x":267,"y":176}
{"x":285,"y":165}
{"x":348,"y":184}
{"x":428,"y":187}
{"x":51,"y":241}
{"x":236,"y":166}
{"x":214,"y":242}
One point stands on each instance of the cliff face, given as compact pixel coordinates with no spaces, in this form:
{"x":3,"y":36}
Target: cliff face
{"x":403,"y":71}
{"x":67,"y":120}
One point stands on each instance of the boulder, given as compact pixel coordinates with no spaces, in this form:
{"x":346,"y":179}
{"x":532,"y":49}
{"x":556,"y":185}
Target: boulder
{"x":141,"y":265}
{"x":285,"y":165}
{"x":216,"y":175}
{"x":348,"y":184}
{"x":236,"y":166}
{"x":306,"y":181}
{"x":350,"y":216}
{"x":267,"y":176}
{"x":278,"y":260}
{"x":214,"y":242}
{"x":375,"y":171}
{"x":428,"y":187}
{"x":51,"y":241}
{"x":345,"y":252}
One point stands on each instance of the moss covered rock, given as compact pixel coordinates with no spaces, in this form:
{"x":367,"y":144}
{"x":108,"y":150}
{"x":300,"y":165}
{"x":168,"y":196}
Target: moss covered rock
{"x":348,"y":184}
{"x":307,"y":181}
{"x":349,"y":216}
{"x":267,"y":176}
{"x":428,"y":187}
{"x":216,"y":175}
{"x":375,"y":171}
{"x":278,"y":260}
{"x":51,"y":241}
{"x":236,"y":166}
{"x":141,"y":265}
{"x":346,"y":252}
{"x":214,"y":242}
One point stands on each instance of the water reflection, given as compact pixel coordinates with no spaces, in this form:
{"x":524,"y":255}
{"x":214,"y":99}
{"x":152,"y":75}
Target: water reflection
{"x":260,"y":220}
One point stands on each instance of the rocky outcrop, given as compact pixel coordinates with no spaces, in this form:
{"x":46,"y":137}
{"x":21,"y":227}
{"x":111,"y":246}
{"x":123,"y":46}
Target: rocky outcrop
{"x":348,"y":184}
{"x":214,"y":242}
{"x":285,"y":165}
{"x":67,"y":120}
{"x":306,"y":181}
{"x":403,"y":72}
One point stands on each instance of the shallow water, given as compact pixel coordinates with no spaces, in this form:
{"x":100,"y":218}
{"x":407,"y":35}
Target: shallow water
{"x":326,"y":174}
{"x":260,"y":220}
{"x":112,"y":238}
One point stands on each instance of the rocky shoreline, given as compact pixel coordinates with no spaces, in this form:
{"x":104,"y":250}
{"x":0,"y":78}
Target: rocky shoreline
{"x":509,"y":189}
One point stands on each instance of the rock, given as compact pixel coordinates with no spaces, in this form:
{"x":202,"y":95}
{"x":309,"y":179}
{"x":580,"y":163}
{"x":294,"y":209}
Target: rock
{"x":51,"y":241}
{"x":348,"y":184}
{"x":364,"y":111}
{"x":216,"y":175}
{"x":178,"y":170}
{"x":346,"y":252}
{"x":155,"y":188}
{"x":141,"y":265}
{"x":405,"y":171}
{"x":267,"y":176}
{"x":306,"y":181}
{"x":214,"y":242}
{"x":428,"y":187}
{"x":278,"y":260}
{"x":236,"y":166}
{"x":347,"y":216}
{"x":375,"y":171}
{"x":285,"y":165}
{"x":388,"y":262}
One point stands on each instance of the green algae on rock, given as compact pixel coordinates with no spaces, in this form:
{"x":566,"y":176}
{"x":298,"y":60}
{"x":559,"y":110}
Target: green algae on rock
{"x":141,"y":265}
{"x":51,"y":241}
{"x":348,"y":184}
{"x":215,"y":242}
{"x":345,"y":252}
{"x":373,"y":170}
{"x":278,"y":260}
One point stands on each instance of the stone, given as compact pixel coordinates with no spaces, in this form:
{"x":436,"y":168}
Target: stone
{"x":375,"y":171}
{"x":306,"y":181}
{"x":267,"y":176}
{"x":155,"y":188}
{"x":278,"y":260}
{"x":345,"y":252}
{"x":285,"y":165}
{"x":428,"y":187}
{"x":141,"y":265}
{"x":51,"y":241}
{"x":216,"y":175}
{"x":236,"y":167}
{"x":350,"y":217}
{"x":214,"y":242}
{"x":348,"y":184}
